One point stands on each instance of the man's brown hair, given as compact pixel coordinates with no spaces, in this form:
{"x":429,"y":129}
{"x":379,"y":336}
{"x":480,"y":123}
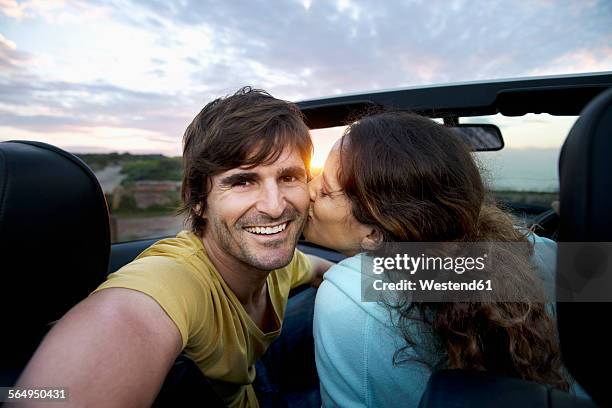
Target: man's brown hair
{"x":247,"y":129}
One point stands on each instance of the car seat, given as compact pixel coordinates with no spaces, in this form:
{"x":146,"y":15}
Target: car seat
{"x":55,"y":243}
{"x":585,"y":170}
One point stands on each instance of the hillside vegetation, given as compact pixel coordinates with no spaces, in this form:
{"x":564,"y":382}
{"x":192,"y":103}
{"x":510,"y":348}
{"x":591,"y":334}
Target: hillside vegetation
{"x":160,"y":169}
{"x":98,"y":161}
{"x":137,"y":167}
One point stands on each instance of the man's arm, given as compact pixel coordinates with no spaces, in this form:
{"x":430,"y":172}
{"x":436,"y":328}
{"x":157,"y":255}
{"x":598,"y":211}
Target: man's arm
{"x":112,"y":349}
{"x":319,"y":267}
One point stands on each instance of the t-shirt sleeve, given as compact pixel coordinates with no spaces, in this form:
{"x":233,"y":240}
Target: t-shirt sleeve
{"x":170,"y":283}
{"x":301,"y":269}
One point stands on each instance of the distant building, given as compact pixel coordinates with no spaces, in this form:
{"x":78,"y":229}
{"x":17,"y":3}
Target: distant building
{"x":147,"y":193}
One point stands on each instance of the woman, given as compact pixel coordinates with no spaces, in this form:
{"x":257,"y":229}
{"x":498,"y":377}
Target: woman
{"x":398,"y":177}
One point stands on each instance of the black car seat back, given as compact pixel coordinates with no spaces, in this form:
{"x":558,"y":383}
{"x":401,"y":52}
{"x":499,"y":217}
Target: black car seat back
{"x":54,"y":240}
{"x":471,"y":388}
{"x":585,"y":171}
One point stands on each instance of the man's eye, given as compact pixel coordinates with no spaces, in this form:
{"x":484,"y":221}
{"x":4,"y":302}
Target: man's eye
{"x":289,"y":179}
{"x":242,"y":183}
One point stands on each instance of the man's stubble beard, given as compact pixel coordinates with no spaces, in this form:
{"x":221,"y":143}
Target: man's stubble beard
{"x":240,"y":250}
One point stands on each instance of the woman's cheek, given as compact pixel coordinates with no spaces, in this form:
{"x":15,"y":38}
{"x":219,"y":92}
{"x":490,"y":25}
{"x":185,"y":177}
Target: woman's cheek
{"x":326,"y":214}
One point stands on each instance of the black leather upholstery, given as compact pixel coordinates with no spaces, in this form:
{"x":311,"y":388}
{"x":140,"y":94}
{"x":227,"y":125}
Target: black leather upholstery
{"x":54,"y":240}
{"x":585,"y":169}
{"x":466,"y":388}
{"x":123,"y":253}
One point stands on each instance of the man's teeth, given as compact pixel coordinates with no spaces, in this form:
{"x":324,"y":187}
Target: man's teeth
{"x":267,"y":230}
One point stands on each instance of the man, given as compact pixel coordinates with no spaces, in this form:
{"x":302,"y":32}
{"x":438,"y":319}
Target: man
{"x":218,"y":292}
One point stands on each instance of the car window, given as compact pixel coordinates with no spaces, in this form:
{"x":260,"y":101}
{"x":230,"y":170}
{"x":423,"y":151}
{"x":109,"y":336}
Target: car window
{"x":523,"y":174}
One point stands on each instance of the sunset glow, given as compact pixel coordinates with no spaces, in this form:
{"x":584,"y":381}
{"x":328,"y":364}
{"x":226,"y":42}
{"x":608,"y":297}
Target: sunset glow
{"x":323,"y":140}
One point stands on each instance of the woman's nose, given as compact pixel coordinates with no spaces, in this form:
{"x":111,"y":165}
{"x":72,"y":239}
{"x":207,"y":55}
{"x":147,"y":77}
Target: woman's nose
{"x":312,"y":187}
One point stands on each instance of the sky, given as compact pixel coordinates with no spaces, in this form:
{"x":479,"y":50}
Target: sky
{"x":129,"y":75}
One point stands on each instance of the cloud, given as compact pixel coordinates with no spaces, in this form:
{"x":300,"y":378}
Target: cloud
{"x":34,"y":104}
{"x":99,"y":138}
{"x":151,"y":65}
{"x":54,"y":11}
{"x":60,"y":106}
{"x":351,"y":46}
{"x":12,"y":60}
{"x":31,"y":8}
{"x":5,"y":43}
{"x":580,"y":60}
{"x":12,"y":9}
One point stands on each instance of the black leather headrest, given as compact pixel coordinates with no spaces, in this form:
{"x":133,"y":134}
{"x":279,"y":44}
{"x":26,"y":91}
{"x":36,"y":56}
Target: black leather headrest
{"x":585,"y":172}
{"x":54,"y":240}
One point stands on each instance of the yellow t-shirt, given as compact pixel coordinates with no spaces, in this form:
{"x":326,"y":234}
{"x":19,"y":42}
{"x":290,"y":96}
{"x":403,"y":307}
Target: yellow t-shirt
{"x":217,"y":332}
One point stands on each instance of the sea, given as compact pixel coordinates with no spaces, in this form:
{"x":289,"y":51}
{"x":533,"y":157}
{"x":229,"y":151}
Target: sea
{"x":534,"y":170}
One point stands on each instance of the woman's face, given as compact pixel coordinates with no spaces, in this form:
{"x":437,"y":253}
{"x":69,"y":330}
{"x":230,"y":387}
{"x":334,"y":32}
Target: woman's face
{"x":330,"y":221}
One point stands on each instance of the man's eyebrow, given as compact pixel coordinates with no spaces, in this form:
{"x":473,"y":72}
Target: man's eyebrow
{"x":236,"y":177}
{"x":296,"y":171}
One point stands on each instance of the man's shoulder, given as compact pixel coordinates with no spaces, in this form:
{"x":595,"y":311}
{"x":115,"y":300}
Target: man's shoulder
{"x":181,"y":247}
{"x":176,"y":262}
{"x":184,"y":253}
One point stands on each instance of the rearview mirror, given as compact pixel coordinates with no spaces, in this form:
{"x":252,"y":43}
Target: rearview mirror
{"x":480,"y":137}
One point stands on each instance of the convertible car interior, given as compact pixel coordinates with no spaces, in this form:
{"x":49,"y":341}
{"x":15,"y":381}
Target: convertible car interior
{"x":56,"y":248}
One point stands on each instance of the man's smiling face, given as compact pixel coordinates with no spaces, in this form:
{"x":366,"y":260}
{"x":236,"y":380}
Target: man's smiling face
{"x":255,"y":215}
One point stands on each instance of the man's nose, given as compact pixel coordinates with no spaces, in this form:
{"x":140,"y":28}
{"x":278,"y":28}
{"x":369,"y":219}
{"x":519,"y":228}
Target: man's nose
{"x":271,"y":200}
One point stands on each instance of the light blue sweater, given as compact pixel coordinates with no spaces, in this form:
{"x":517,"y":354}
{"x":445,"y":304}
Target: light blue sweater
{"x":355,"y":342}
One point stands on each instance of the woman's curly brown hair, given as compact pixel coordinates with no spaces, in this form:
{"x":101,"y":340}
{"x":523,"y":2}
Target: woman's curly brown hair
{"x":417,"y":181}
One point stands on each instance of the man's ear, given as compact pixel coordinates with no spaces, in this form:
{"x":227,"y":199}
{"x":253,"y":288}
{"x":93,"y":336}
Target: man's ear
{"x":198,"y":210}
{"x":373,"y":240}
